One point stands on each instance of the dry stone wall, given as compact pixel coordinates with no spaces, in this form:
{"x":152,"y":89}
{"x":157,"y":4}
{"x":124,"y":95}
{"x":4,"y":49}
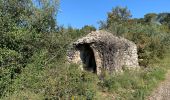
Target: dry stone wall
{"x":110,"y":53}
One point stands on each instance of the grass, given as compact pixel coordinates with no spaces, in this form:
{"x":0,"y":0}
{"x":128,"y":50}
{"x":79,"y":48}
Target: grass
{"x":136,"y":85}
{"x":68,"y":82}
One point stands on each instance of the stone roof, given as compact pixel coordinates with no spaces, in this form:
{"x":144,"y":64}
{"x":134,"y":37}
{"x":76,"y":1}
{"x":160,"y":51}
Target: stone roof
{"x":110,"y":52}
{"x":104,"y":37}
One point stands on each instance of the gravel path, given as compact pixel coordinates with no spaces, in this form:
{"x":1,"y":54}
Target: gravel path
{"x":163,"y":91}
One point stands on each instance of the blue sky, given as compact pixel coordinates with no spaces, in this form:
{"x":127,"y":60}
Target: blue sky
{"x":77,"y":13}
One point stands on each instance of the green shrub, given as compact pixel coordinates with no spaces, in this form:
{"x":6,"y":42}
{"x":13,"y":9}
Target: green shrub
{"x":132,"y":85}
{"x":151,"y":39}
{"x":10,"y":67}
{"x":55,"y":80}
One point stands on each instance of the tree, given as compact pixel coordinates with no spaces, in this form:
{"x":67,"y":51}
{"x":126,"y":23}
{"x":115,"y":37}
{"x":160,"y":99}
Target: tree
{"x":116,"y":21}
{"x":43,"y":18}
{"x":21,"y":28}
{"x":118,"y":14}
{"x":39,"y":15}
{"x":88,"y":29}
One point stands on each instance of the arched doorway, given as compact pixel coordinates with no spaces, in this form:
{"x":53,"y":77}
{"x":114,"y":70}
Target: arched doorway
{"x":87,"y":57}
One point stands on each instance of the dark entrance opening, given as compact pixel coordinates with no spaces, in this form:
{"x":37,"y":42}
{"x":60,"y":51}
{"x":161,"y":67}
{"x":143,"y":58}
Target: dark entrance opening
{"x":87,"y":57}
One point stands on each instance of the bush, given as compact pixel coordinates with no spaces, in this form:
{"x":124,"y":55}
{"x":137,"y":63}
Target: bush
{"x":10,"y":67}
{"x":150,"y":38}
{"x":133,"y":85}
{"x":53,"y":80}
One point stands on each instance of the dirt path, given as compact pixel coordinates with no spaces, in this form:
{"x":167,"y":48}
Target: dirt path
{"x":163,"y":91}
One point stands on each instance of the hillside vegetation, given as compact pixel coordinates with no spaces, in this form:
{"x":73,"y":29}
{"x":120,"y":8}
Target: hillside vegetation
{"x":33,"y":54}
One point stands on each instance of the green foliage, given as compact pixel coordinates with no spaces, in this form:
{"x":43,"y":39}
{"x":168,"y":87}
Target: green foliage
{"x":59,"y":82}
{"x":116,"y":20}
{"x":118,"y":14}
{"x":33,"y":54}
{"x":24,"y":13}
{"x":74,"y":34}
{"x":10,"y":67}
{"x":43,"y":17}
{"x":20,"y":39}
{"x":133,"y":85}
{"x":71,"y":82}
{"x":42,"y":58}
{"x":87,"y":29}
{"x":151,"y":39}
{"x":136,"y":85}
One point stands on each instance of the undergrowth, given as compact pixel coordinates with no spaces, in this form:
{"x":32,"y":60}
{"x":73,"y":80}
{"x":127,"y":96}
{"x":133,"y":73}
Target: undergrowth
{"x":69,"y":82}
{"x":135,"y":85}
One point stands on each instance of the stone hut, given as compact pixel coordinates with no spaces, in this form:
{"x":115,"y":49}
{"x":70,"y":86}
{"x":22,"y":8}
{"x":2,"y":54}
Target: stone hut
{"x":100,"y":50}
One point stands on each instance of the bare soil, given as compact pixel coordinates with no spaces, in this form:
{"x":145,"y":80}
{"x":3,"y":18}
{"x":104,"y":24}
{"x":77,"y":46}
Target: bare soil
{"x":163,"y":90}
